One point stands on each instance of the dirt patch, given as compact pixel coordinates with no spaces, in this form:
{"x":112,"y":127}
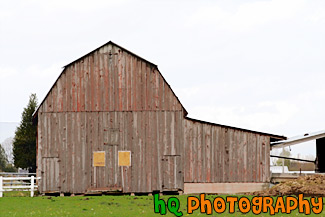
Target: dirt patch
{"x":310,"y":185}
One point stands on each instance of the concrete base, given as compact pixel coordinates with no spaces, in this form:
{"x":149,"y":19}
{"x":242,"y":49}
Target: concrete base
{"x":223,"y":188}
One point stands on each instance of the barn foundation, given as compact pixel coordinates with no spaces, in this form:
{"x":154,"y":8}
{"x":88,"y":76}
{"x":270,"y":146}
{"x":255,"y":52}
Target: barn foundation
{"x":223,"y":188}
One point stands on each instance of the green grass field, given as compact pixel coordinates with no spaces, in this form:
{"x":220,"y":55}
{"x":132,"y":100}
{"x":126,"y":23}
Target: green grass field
{"x":18,"y":204}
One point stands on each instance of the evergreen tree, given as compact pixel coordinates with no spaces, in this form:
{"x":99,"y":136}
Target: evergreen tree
{"x":24,"y":145}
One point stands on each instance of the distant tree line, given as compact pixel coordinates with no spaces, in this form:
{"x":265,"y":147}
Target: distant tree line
{"x":292,"y":164}
{"x":5,"y":166}
{"x":303,"y":166}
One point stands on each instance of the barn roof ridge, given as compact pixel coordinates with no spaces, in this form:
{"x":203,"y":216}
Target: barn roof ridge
{"x":112,"y":43}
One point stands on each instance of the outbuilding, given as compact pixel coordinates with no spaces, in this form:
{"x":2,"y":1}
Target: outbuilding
{"x":111,"y":122}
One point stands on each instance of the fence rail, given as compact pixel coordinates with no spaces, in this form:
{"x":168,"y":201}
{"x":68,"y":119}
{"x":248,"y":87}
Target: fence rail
{"x":18,"y":183}
{"x":12,"y":174}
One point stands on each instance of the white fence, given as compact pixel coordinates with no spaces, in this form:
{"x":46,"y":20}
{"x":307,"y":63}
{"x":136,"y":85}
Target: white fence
{"x":18,"y":183}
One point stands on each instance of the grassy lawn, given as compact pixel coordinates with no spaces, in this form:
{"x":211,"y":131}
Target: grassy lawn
{"x":14,"y":204}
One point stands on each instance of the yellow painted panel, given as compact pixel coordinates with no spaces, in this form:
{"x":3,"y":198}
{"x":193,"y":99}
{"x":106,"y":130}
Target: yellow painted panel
{"x":99,"y":158}
{"x":124,"y":158}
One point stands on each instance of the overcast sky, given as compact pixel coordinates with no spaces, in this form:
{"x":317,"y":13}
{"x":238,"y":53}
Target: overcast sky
{"x":250,"y":64}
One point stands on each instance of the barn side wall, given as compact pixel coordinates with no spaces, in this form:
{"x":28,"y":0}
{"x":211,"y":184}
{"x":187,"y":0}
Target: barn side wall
{"x":206,"y":153}
{"x":68,"y":139}
{"x":214,"y":154}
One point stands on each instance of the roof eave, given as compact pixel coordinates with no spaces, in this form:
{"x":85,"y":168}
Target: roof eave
{"x":278,"y":137}
{"x":299,"y":139}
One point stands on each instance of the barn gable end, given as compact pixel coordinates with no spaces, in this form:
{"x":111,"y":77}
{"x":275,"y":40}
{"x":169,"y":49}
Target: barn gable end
{"x":110,"y":79}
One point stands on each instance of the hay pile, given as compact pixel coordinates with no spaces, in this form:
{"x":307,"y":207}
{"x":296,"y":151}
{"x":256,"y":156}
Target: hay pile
{"x":310,"y":185}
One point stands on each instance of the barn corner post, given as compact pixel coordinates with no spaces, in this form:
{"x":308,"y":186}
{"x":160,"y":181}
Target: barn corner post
{"x":320,"y":155}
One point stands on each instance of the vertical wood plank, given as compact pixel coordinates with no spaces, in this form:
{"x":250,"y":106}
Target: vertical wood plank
{"x":87,"y":83}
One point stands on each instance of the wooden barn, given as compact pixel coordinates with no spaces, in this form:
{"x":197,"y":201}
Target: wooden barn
{"x":111,"y":122}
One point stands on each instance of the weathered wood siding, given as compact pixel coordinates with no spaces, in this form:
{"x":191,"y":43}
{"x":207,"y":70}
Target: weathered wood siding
{"x":110,"y":79}
{"x":214,"y":154}
{"x":107,"y":89}
{"x":167,"y":150}
{"x":71,"y":137}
